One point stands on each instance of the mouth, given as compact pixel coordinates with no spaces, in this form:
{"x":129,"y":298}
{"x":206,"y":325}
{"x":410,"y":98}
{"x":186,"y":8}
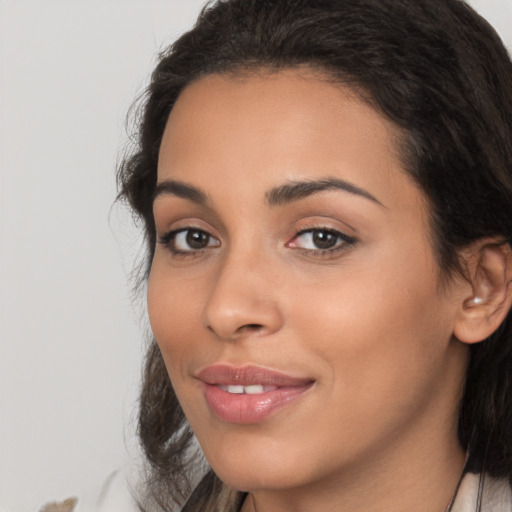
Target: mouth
{"x":249,"y":394}
{"x":252,"y":389}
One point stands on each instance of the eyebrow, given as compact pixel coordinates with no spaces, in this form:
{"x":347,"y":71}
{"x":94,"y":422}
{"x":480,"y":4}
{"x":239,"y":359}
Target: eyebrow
{"x":278,"y":196}
{"x":180,"y":189}
{"x":296,"y":190}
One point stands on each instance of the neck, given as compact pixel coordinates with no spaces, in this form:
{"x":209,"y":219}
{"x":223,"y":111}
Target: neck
{"x":424,"y":485}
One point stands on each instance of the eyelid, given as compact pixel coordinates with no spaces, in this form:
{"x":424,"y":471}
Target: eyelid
{"x":344,"y":241}
{"x":168,"y":239}
{"x":171,"y":224}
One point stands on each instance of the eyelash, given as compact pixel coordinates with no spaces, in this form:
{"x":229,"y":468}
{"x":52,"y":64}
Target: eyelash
{"x":343,"y":241}
{"x":169,"y":240}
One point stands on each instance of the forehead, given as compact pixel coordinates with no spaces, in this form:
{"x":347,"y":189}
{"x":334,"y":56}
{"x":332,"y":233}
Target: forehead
{"x":277,"y":126}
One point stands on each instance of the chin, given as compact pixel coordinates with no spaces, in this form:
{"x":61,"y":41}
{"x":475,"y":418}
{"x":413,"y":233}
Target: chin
{"x":251,"y":479}
{"x":259,"y":464}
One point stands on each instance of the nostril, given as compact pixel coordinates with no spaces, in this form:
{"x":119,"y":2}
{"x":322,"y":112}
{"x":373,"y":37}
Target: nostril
{"x":240,"y":331}
{"x":250,"y":327}
{"x":249,"y":330}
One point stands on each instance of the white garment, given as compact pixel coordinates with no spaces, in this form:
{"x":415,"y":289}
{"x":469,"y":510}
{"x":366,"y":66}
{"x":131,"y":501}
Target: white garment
{"x":496,"y":494}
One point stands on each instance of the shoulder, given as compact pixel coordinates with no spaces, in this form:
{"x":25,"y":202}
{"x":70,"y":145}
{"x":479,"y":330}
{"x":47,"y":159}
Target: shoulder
{"x":481,"y":490}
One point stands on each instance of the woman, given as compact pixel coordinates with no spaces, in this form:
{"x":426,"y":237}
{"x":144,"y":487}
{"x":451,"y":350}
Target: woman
{"x":326,"y":192}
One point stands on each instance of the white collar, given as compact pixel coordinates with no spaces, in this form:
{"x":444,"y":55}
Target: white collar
{"x":481,"y":492}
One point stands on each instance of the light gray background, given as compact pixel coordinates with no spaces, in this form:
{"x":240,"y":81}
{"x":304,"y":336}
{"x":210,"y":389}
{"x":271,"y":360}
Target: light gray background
{"x":70,"y":341}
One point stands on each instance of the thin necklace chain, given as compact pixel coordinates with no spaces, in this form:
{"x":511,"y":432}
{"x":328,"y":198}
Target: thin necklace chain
{"x":456,"y":492}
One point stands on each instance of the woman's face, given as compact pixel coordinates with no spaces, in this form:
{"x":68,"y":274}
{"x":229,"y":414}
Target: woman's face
{"x":294,"y":293}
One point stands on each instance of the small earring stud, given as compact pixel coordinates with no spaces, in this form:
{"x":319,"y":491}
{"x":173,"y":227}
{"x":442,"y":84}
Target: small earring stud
{"x":477,"y":300}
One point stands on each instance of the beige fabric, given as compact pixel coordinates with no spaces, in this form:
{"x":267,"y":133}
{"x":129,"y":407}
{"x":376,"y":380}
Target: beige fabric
{"x":62,"y":506}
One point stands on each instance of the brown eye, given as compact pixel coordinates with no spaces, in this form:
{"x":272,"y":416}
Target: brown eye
{"x":321,"y":240}
{"x":197,"y":239}
{"x":325,"y":239}
{"x":188,"y":240}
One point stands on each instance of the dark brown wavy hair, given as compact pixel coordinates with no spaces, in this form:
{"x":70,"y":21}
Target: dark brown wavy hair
{"x":436,"y":70}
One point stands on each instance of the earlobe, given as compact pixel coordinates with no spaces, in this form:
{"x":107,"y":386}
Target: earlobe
{"x":489,"y":265}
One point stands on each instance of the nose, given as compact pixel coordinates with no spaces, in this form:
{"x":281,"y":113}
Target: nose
{"x":243,"y":301}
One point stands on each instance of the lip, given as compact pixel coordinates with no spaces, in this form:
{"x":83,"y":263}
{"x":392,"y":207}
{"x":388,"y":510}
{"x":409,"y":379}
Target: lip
{"x":249,"y":408}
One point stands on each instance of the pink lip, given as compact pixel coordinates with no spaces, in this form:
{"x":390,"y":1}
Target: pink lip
{"x":249,"y":408}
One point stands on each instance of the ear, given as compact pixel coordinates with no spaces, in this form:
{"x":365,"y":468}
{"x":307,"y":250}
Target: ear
{"x":489,"y":270}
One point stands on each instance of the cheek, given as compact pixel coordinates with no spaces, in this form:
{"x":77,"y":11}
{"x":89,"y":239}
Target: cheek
{"x":174,"y":307}
{"x":382,"y":333}
{"x":174,"y":311}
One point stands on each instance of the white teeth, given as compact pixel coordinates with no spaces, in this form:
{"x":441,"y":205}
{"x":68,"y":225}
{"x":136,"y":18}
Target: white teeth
{"x":255,"y":389}
{"x":236,"y":389}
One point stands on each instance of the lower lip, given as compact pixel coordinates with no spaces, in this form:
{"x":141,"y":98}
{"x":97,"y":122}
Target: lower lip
{"x":245,"y":408}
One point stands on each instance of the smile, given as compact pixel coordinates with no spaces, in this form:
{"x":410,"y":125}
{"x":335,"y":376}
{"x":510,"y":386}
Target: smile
{"x":254,"y":389}
{"x":249,"y":394}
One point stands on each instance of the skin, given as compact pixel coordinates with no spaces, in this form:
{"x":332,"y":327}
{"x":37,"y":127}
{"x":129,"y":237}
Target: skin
{"x":369,"y":322}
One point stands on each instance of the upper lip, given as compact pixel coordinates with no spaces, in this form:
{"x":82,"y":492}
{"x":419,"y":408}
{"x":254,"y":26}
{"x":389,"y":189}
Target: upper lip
{"x":224,"y":374}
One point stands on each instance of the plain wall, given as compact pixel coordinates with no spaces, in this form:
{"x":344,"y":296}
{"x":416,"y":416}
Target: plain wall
{"x":70,"y":341}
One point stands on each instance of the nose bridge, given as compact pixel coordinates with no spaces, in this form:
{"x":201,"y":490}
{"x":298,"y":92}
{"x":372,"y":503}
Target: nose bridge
{"x":242,"y":299}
